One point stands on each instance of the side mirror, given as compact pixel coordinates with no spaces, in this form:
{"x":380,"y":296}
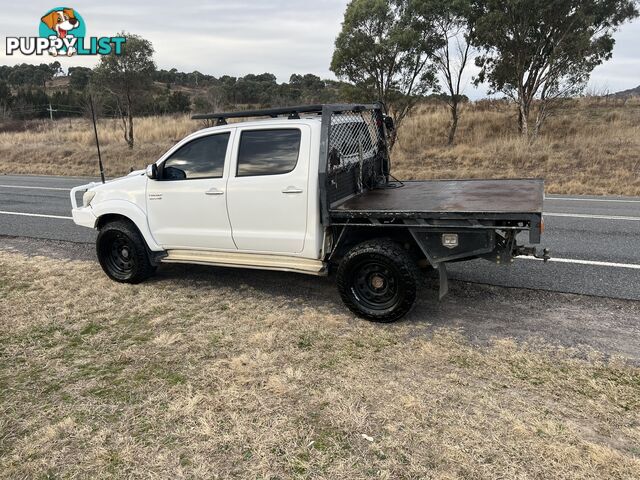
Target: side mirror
{"x":389,"y":123}
{"x":152,"y":171}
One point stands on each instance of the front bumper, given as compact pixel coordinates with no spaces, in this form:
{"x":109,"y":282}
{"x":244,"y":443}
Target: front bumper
{"x":84,"y":217}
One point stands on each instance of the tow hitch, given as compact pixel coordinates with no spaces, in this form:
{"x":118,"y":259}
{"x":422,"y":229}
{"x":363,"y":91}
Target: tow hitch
{"x":533,"y":252}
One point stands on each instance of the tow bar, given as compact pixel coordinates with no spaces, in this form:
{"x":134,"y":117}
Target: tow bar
{"x":533,"y":252}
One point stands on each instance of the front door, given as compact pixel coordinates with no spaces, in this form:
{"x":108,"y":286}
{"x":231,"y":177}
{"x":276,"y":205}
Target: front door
{"x":268,"y":189}
{"x":187,"y":205}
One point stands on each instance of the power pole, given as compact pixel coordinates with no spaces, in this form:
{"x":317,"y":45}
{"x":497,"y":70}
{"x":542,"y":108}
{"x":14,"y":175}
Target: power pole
{"x":51,"y":110}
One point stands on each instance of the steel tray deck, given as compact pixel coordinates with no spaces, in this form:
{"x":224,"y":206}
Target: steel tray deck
{"x":442,"y":197}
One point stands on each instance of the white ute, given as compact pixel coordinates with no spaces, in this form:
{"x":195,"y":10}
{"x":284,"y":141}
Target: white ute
{"x":274,"y":194}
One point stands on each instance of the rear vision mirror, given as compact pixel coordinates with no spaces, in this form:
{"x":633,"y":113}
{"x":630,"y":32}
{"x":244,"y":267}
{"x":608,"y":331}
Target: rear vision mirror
{"x":152,"y":171}
{"x":389,"y":123}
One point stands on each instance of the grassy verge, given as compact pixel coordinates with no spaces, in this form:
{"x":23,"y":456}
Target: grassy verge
{"x":589,"y":147}
{"x":197,"y":378}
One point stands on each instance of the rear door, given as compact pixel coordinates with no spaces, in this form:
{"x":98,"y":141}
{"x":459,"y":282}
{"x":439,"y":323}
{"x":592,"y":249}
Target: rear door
{"x":187,"y":204}
{"x":268,"y":188}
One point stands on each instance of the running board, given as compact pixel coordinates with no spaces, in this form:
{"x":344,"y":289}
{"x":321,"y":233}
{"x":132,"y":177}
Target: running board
{"x":248,"y":260}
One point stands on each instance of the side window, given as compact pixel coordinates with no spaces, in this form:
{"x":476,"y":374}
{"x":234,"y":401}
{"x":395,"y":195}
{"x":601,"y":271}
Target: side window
{"x":200,"y":158}
{"x":268,"y":152}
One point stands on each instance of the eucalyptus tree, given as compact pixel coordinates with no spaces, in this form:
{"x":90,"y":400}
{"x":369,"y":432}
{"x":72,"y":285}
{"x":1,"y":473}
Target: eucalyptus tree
{"x":544,"y":49}
{"x":387,"y":52}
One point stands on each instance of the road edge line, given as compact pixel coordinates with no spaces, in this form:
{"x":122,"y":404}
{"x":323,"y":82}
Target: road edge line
{"x":594,"y":263}
{"x":39,"y":215}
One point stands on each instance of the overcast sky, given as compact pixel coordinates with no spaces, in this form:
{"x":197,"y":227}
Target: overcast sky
{"x":237,"y":37}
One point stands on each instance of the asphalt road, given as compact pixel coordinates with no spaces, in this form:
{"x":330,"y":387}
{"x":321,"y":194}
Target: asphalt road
{"x":595,"y":241}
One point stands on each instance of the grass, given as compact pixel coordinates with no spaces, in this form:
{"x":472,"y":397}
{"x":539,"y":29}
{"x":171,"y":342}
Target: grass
{"x":196,"y":377}
{"x":590,"y":147}
{"x":67,"y":147}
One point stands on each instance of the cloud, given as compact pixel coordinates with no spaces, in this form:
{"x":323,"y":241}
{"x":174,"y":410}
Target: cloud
{"x":237,"y":37}
{"x":623,"y":70}
{"x":233,"y":37}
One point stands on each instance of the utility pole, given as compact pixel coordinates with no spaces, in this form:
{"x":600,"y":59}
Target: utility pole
{"x":51,"y":110}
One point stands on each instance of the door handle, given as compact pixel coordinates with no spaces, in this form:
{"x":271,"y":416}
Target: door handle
{"x":292,"y":190}
{"x":214,"y":191}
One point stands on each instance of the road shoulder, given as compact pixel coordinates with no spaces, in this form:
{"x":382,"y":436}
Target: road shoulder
{"x":481,"y":313}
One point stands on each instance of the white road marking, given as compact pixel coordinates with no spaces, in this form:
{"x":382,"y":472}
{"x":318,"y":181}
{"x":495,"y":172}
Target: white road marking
{"x":632,"y":266}
{"x":26,"y":187}
{"x":612,"y":200}
{"x":594,"y":217}
{"x":20,"y":214}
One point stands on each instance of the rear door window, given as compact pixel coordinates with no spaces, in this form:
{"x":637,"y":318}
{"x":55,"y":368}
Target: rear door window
{"x":268,"y":152}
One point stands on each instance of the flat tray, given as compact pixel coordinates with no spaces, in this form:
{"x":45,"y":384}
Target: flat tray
{"x":449,"y":196}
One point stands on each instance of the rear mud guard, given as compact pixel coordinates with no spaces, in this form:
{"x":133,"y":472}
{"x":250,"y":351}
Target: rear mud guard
{"x":444,"y":280}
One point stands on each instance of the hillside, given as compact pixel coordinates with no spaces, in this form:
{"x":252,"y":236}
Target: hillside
{"x":591,"y":147}
{"x":62,"y":83}
{"x":633,"y":92}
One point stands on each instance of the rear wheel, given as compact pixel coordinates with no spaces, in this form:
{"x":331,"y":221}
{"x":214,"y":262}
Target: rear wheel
{"x":122,"y":253}
{"x":378,"y":281}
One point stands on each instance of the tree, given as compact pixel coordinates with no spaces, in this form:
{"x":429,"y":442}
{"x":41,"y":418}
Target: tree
{"x":258,"y":89}
{"x":385,"y":51}
{"x":5,"y":98}
{"x":307,"y":88}
{"x":79,"y":77}
{"x":544,"y":49}
{"x":56,"y":69}
{"x":127,"y":77}
{"x":178,"y":102}
{"x":451,"y":23}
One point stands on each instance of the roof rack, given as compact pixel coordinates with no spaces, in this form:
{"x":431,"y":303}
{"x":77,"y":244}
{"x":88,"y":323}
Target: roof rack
{"x":292,"y":112}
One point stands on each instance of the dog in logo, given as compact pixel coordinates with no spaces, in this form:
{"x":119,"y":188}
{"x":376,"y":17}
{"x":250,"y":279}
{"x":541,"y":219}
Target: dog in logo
{"x":61,"y":22}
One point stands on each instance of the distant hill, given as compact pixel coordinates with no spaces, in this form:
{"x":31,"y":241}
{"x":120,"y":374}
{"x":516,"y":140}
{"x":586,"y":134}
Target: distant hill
{"x":633,"y":92}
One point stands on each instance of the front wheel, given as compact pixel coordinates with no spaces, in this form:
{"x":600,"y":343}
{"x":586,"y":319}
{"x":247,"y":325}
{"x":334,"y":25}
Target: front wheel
{"x":378,"y":281}
{"x":122,"y":253}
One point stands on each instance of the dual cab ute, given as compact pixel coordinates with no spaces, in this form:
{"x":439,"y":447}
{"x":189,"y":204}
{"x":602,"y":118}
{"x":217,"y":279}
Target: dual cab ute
{"x":307,"y":190}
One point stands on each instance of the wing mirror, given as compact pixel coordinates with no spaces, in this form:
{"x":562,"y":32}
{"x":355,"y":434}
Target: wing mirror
{"x":152,"y":171}
{"x":389,"y":123}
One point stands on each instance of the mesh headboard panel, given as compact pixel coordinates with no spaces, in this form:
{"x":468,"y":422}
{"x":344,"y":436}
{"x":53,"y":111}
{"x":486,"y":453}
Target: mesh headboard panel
{"x":356,"y":153}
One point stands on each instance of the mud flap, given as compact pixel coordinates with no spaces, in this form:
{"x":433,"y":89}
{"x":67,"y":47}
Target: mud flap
{"x":444,"y":280}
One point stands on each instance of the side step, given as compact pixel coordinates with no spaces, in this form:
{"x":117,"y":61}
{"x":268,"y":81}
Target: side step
{"x":248,"y":260}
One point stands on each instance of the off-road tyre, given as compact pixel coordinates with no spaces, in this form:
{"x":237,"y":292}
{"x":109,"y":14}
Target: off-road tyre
{"x":123,"y":253}
{"x":378,"y":280}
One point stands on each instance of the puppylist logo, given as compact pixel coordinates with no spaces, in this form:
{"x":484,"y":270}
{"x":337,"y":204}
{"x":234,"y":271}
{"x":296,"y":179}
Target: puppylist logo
{"x":63,"y":32}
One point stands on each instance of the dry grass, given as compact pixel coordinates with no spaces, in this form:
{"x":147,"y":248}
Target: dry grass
{"x":589,"y":148}
{"x":68,"y":147}
{"x":201,"y":378}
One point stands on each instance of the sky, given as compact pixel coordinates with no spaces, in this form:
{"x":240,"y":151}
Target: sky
{"x":237,"y":37}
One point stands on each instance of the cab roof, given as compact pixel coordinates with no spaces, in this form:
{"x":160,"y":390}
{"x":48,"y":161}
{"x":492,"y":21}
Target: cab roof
{"x":293,"y":112}
{"x":312,"y":115}
{"x":280,"y":122}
